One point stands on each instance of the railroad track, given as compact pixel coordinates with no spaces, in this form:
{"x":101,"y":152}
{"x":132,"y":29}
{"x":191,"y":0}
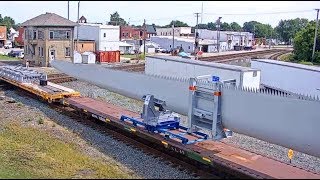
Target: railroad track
{"x":278,"y":54}
{"x":230,"y":57}
{"x":131,"y":68}
{"x":60,"y":78}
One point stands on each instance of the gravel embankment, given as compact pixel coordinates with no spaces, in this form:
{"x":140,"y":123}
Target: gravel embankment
{"x":141,"y":164}
{"x":251,"y":144}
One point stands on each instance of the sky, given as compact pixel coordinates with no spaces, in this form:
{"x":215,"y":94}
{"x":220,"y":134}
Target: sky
{"x":162,"y":12}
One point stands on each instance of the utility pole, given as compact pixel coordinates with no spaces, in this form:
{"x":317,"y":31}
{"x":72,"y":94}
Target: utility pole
{"x":201,"y":12}
{"x":315,"y":35}
{"x":78,"y":26}
{"x":144,"y":37}
{"x":173,"y":35}
{"x":68,"y":10}
{"x":196,"y":35}
{"x":218,"y":34}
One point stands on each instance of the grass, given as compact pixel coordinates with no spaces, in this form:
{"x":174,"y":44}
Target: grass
{"x":141,"y":56}
{"x":4,"y":57}
{"x":31,"y":153}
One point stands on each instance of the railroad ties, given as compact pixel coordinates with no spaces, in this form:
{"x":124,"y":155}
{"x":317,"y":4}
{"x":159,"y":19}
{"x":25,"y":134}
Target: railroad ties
{"x":60,"y":78}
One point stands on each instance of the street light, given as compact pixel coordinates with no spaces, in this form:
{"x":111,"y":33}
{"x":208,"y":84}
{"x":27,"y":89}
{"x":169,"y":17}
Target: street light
{"x":218,"y":22}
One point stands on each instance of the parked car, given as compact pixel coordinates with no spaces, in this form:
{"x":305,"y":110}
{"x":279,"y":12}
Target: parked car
{"x":161,"y":50}
{"x":17,"y":54}
{"x":8,"y":45}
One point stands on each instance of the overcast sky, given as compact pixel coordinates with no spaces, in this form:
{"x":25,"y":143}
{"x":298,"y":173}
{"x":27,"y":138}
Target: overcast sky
{"x":162,"y":12}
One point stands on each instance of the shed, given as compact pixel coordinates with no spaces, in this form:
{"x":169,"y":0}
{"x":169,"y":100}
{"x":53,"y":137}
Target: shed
{"x":77,"y":58}
{"x":149,"y":48}
{"x":125,"y":48}
{"x":88,"y":58}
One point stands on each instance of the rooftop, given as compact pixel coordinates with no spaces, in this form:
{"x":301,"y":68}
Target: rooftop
{"x":49,"y":19}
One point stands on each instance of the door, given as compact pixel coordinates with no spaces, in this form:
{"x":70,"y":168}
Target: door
{"x":52,"y":55}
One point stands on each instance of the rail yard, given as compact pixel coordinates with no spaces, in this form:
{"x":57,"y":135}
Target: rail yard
{"x":207,"y":158}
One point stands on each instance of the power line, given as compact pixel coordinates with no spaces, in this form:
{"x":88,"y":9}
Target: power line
{"x":286,"y":12}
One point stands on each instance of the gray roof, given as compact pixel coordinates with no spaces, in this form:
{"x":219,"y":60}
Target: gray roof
{"x":151,"y":29}
{"x":48,"y":19}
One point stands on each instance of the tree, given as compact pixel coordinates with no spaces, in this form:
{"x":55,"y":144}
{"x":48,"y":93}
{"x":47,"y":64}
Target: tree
{"x":287,"y":29}
{"x":203,"y":26}
{"x":235,"y":26}
{"x":303,"y":44}
{"x":177,"y":23}
{"x":8,"y":22}
{"x":225,"y":27}
{"x":115,"y":19}
{"x":260,"y":30}
{"x":212,"y":26}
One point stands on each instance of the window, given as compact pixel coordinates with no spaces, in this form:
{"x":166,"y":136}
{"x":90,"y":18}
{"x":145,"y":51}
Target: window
{"x":104,"y":34}
{"x":127,"y":34}
{"x":25,"y":49}
{"x":51,"y":35}
{"x":189,"y":47}
{"x":67,"y":51}
{"x":82,"y":45}
{"x":122,"y":34}
{"x":68,"y":34}
{"x":39,"y":51}
{"x":170,"y":46}
{"x":34,"y":35}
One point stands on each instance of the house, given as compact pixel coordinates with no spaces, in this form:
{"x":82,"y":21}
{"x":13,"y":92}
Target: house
{"x":84,"y":45}
{"x":187,"y":43}
{"x":178,"y":31}
{"x":129,"y":32}
{"x":106,"y":37}
{"x":13,"y":34}
{"x":3,"y":35}
{"x":125,"y":48}
{"x":82,"y":19}
{"x":150,"y":48}
{"x":19,"y":41}
{"x":48,"y":37}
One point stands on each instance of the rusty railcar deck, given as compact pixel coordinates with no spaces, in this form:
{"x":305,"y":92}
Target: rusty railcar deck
{"x":212,"y":153}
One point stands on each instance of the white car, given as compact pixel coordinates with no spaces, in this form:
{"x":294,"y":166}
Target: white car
{"x":8,"y":45}
{"x":159,"y":49}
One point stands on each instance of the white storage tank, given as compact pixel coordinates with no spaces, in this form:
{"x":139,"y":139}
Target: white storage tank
{"x":88,"y":58}
{"x":292,"y":77}
{"x":77,"y":58}
{"x":181,"y":67}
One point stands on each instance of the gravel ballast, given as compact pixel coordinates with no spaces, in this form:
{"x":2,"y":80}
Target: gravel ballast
{"x":138,"y":162}
{"x":245,"y":142}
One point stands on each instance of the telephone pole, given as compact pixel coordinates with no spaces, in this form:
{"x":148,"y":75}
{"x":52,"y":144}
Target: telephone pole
{"x":68,"y":9}
{"x":144,"y":37}
{"x":78,"y":26}
{"x":173,"y":35}
{"x":196,"y":35}
{"x":315,"y":35}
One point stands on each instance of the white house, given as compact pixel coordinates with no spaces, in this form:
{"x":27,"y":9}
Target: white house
{"x":106,"y":37}
{"x":178,"y":31}
{"x":125,"y":48}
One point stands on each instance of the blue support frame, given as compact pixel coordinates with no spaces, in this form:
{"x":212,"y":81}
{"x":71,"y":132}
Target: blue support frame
{"x":163,"y":127}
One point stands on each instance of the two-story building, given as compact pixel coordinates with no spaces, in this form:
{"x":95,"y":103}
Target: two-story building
{"x":178,"y":31}
{"x":106,"y":37}
{"x":48,"y":37}
{"x":129,"y":32}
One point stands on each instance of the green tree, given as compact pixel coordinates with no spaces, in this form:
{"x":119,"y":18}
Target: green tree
{"x":287,"y":29}
{"x":235,"y":26}
{"x":115,"y":19}
{"x":225,"y":27}
{"x":203,"y":26}
{"x":8,"y":22}
{"x":260,"y":30}
{"x":177,"y":23}
{"x":303,"y":44}
{"x":212,"y":26}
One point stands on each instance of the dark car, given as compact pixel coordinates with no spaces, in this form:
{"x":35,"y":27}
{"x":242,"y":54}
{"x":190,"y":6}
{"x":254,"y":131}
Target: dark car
{"x":15,"y":53}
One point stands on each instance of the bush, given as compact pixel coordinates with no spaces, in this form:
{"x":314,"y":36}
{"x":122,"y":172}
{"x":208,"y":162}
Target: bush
{"x":287,"y":57}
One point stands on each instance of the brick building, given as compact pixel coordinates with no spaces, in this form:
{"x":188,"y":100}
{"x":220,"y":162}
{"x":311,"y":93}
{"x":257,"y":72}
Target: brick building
{"x":129,"y":32}
{"x":48,"y":37}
